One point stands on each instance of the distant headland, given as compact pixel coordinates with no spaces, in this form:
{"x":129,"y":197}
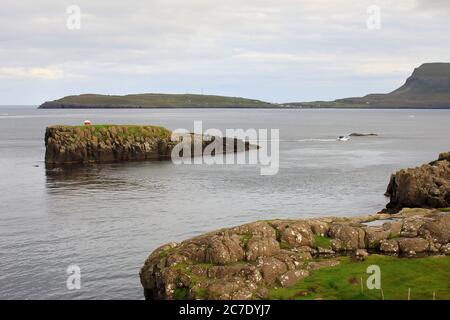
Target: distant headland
{"x":427,"y":88}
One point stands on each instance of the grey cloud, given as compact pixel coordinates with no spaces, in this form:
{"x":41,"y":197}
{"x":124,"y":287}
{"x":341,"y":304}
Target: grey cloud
{"x":295,"y":48}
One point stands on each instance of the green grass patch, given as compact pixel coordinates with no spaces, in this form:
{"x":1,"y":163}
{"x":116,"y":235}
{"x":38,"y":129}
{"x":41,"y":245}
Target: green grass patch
{"x":181,"y":293}
{"x":285,"y":246}
{"x":392,"y":236}
{"x":245,"y":239}
{"x":322,"y":242}
{"x":201,"y":293}
{"x":423,"y":275}
{"x":103,"y":131}
{"x":445,"y":209}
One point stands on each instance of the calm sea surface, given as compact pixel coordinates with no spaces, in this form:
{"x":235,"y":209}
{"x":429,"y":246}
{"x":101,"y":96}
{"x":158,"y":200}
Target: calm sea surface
{"x":108,"y":218}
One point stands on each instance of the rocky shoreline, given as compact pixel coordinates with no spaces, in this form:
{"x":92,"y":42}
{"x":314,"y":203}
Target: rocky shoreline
{"x":111,"y":143}
{"x":245,"y":262}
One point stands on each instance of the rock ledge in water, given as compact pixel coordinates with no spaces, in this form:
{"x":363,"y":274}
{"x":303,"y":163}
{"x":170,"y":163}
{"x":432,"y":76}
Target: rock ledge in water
{"x":356,"y":134}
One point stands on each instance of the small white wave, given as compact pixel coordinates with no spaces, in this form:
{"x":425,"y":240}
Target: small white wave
{"x":343,"y":138}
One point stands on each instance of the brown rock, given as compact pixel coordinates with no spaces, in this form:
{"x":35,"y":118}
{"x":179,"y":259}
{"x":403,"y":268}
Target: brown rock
{"x":373,"y":236}
{"x":444,"y":156}
{"x":314,"y":265}
{"x":224,"y":249}
{"x":230,"y":289}
{"x":271,"y":268}
{"x":416,"y":245}
{"x":427,"y":186}
{"x":411,"y":226}
{"x":295,"y":234}
{"x":437,"y":230}
{"x":259,"y":246}
{"x":259,"y":228}
{"x":361,"y":254}
{"x":318,"y":227}
{"x":445,"y":249}
{"x":394,"y":228}
{"x":325,"y":251}
{"x":389,"y":246}
{"x":292,"y":277}
{"x":348,"y":237}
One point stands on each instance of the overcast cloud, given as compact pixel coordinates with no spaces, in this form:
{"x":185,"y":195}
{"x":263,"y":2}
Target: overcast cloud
{"x":275,"y":50}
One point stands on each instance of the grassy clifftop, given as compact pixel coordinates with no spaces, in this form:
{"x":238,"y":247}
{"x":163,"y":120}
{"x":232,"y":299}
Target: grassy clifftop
{"x":154,"y":100}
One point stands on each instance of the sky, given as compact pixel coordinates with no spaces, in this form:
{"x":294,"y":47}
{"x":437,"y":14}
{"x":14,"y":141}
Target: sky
{"x":273,"y":50}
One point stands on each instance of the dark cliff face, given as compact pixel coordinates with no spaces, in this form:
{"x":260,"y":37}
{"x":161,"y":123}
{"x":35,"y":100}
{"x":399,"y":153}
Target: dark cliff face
{"x":67,"y":144}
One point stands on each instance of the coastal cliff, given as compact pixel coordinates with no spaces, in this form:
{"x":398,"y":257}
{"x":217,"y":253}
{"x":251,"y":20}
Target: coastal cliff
{"x":254,"y":260}
{"x":110,"y":143}
{"x":427,"y":186}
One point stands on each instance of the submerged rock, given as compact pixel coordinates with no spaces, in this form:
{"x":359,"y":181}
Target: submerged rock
{"x":356,"y":134}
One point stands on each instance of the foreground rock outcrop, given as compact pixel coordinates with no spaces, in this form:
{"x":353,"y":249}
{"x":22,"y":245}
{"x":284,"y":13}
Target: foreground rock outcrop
{"x":109,"y":143}
{"x":427,"y":186}
{"x":244,"y":262}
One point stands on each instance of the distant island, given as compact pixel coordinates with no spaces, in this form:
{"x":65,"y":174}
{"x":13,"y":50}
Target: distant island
{"x":154,"y":100}
{"x":427,"y":88}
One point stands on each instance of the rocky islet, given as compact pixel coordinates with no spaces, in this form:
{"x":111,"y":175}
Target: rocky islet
{"x":66,"y":145}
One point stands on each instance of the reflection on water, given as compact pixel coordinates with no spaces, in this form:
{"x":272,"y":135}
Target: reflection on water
{"x":90,"y":177}
{"x":107,"y":218}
